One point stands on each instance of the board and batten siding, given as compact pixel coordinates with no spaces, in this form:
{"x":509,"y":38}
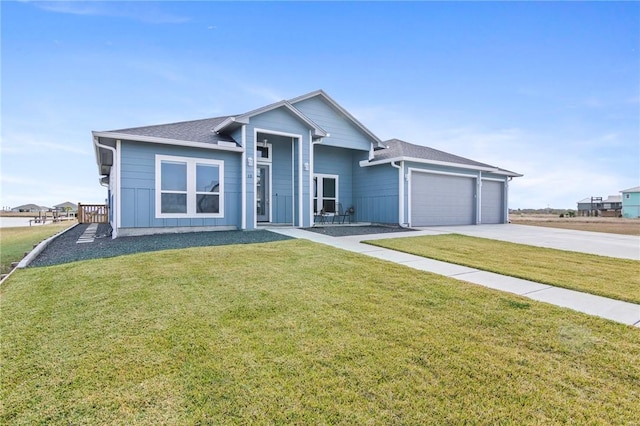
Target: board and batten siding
{"x":342,"y":132}
{"x":329,"y":160}
{"x":375,"y":192}
{"x":137,"y":182}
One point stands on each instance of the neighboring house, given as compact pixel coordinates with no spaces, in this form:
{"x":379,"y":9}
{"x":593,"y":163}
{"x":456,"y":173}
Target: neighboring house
{"x":283,"y":164}
{"x":598,"y":206}
{"x":631,"y":202}
{"x":66,"y":207}
{"x":33,"y":208}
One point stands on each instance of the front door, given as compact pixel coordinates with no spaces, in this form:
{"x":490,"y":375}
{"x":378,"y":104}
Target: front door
{"x":263,"y":195}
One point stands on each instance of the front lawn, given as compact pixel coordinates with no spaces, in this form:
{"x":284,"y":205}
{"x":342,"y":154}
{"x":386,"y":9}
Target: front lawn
{"x":600,"y":275}
{"x":15,"y":242}
{"x":297,"y":332}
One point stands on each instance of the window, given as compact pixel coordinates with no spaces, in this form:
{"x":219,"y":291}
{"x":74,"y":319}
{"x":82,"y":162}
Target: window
{"x":189,"y":187}
{"x":325,"y":193}
{"x":263,"y":151}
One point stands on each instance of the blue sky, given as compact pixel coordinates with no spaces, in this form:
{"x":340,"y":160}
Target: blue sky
{"x":549,"y":90}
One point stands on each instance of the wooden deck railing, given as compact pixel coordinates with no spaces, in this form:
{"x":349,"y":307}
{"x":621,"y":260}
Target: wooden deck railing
{"x":93,"y":213}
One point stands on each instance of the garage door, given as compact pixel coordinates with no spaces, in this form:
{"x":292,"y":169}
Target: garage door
{"x":491,"y":202}
{"x":442,"y":200}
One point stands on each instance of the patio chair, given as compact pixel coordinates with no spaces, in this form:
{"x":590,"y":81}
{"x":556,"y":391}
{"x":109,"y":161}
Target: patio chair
{"x":342,"y":214}
{"x":321,"y":217}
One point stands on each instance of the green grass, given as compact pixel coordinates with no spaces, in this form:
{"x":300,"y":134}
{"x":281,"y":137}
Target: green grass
{"x":600,"y":275}
{"x":15,"y":242}
{"x":297,"y":332}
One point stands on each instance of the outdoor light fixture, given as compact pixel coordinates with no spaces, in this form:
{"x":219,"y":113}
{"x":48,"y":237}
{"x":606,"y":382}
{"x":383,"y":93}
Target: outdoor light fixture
{"x":250,"y":161}
{"x":306,"y":166}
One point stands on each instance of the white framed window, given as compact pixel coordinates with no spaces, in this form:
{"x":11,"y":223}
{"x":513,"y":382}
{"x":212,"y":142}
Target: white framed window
{"x":325,"y":193}
{"x":189,"y":187}
{"x":263,"y":151}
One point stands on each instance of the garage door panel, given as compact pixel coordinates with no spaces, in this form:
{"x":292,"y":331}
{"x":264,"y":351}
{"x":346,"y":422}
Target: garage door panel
{"x":491,"y":203}
{"x":442,"y":200}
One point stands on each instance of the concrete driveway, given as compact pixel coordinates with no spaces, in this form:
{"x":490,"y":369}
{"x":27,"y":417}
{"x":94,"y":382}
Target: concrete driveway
{"x":612,"y":245}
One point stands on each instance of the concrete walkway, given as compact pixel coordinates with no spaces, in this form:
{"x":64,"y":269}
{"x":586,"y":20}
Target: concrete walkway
{"x":615,"y":310}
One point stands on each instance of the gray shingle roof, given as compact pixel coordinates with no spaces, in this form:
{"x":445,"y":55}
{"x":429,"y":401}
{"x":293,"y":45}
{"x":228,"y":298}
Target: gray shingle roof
{"x":397,"y":148}
{"x":401,"y":149}
{"x":192,"y":131}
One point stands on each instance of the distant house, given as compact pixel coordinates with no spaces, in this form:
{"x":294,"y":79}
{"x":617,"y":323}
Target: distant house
{"x":598,"y":206}
{"x":292,"y":162}
{"x":631,"y":202}
{"x":30,"y":208}
{"x":66,"y":207}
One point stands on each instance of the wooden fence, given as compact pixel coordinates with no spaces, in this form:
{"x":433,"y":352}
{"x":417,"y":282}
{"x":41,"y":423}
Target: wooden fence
{"x":93,"y":213}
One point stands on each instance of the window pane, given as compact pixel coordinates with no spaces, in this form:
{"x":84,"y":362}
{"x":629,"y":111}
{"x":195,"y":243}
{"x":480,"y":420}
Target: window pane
{"x":328,"y":187}
{"x":262,"y":152}
{"x":174,"y":176}
{"x":329,"y":206}
{"x":207,"y":204}
{"x":207,"y":178}
{"x":174,"y":203}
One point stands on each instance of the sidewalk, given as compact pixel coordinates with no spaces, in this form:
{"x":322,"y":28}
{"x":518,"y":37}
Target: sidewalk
{"x":615,"y":310}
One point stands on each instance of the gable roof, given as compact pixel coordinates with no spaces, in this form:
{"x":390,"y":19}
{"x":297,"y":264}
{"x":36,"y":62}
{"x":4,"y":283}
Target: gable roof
{"x":321,"y":93}
{"x":398,"y":150}
{"x":66,"y":204}
{"x":236,"y":121}
{"x":634,"y":189}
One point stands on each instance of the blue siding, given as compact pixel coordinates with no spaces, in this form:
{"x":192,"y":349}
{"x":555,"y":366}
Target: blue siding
{"x":631,"y":205}
{"x":342,"y":132}
{"x":138,"y":185}
{"x":336,"y":161}
{"x":375,"y":192}
{"x":281,"y":120}
{"x":282,"y":184}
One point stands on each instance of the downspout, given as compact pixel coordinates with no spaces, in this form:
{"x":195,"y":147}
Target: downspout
{"x":114,"y":167}
{"x":243,"y":179}
{"x":311,"y":172}
{"x":479,"y":199}
{"x":506,"y":199}
{"x":400,"y":191}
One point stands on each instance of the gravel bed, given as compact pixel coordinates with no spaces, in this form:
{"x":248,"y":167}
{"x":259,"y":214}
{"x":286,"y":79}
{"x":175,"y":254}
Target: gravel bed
{"x":345,"y":231}
{"x":64,"y":248}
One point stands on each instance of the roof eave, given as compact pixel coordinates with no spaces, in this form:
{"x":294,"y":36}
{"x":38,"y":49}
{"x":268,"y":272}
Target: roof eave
{"x":166,"y":141}
{"x":495,"y":170}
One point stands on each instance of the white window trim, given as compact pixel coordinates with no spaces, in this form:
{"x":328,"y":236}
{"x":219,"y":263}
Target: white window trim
{"x":264,"y":159}
{"x":191,"y":187}
{"x":320,"y":176}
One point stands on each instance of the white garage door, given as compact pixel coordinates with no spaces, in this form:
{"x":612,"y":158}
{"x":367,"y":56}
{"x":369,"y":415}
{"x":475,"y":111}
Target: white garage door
{"x":491,"y":203}
{"x":442,"y":200}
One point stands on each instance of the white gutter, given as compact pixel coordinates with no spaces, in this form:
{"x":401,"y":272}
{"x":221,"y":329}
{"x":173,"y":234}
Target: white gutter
{"x":166,"y":141}
{"x":400,"y":191}
{"x":311,"y":171}
{"x":365,"y":163}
